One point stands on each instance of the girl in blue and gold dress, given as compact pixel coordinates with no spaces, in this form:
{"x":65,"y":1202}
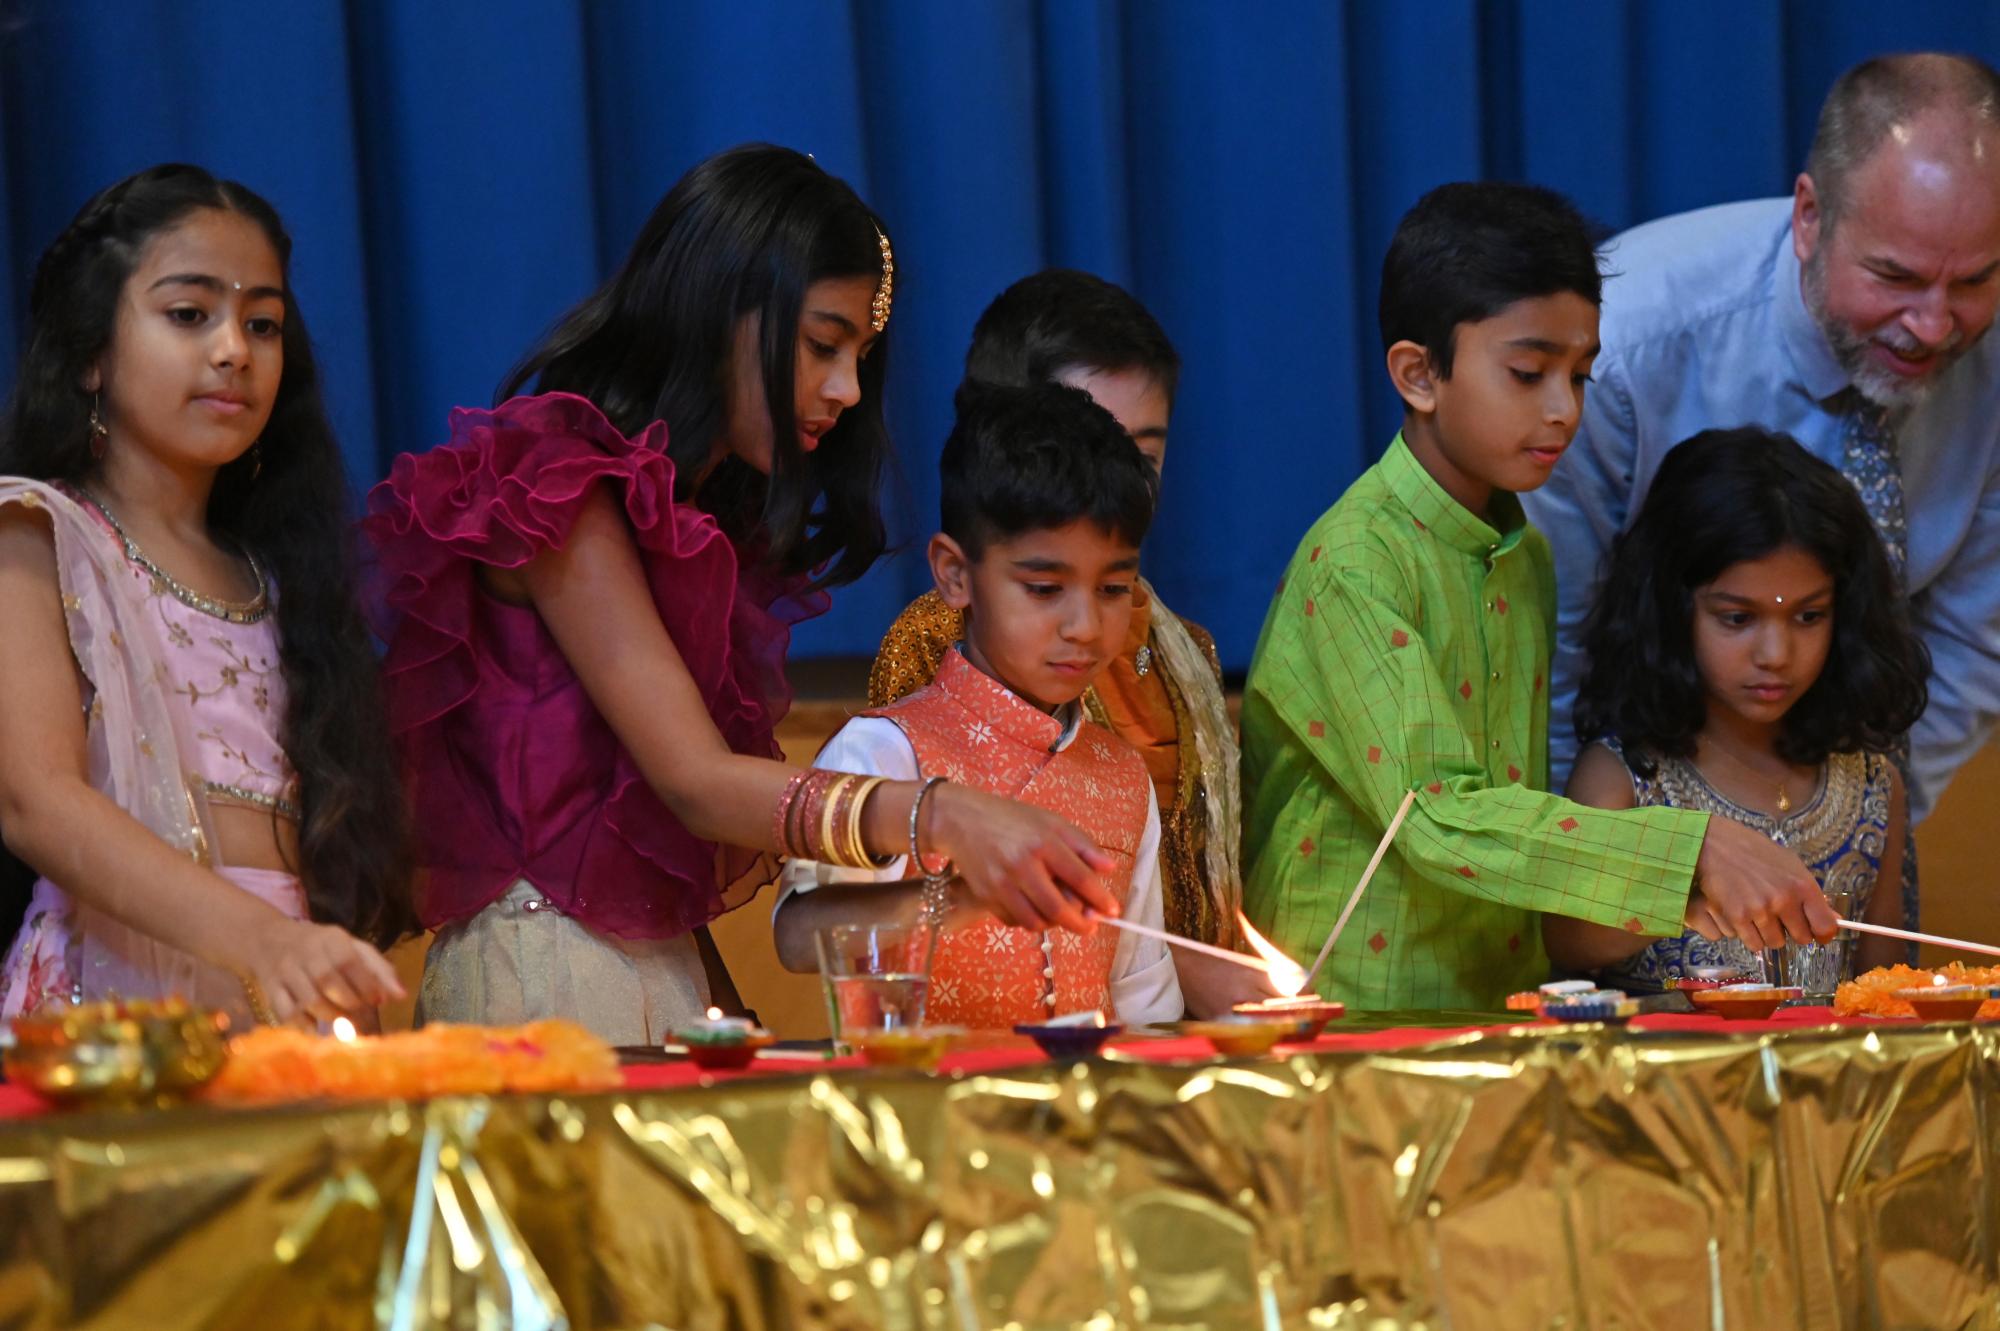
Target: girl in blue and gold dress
{"x":1750,"y":657}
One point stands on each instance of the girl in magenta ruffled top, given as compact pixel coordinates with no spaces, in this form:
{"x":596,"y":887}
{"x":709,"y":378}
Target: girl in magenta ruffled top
{"x":590,"y":593}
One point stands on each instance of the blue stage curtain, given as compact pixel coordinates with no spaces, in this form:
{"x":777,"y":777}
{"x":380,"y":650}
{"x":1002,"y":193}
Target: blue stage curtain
{"x":457,"y":174}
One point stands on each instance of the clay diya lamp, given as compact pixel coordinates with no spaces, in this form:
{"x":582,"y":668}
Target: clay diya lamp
{"x":1240,"y":1035}
{"x":1591,"y":1005}
{"x":918,"y":1047}
{"x":722,"y":1044}
{"x":1744,"y":1002}
{"x":1064,"y":1038}
{"x":1946,"y":1002}
{"x":1308,"y":1013}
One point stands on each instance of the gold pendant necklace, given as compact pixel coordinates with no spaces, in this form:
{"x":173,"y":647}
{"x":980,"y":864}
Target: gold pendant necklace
{"x":1784,"y":804}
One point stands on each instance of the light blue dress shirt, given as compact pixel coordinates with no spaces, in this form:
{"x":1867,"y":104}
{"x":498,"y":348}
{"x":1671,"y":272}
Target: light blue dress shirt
{"x":1704,"y":327}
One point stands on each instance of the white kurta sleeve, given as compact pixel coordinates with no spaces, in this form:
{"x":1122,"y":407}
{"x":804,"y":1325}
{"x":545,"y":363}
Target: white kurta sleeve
{"x":1144,"y":985}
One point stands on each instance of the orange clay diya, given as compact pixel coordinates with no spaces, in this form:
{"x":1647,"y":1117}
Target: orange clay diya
{"x":133,"y":1052}
{"x":1947,"y":1002}
{"x":1308,"y":1013}
{"x":1242,"y":1035}
{"x":918,"y":1047}
{"x":1744,"y":1002}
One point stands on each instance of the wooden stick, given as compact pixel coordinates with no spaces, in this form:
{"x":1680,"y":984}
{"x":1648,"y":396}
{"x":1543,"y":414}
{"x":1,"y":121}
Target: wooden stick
{"x":1176,"y":940}
{"x":1381,"y":849}
{"x":1958,"y":944}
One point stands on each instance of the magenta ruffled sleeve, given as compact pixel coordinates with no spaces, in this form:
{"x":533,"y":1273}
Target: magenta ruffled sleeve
{"x":512,"y":772}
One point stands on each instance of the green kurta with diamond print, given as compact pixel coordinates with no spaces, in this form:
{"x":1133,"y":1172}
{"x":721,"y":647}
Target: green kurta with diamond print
{"x":1408,"y":649}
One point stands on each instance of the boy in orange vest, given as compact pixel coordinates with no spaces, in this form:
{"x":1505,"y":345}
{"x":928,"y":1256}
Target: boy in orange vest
{"x":1045,"y":500}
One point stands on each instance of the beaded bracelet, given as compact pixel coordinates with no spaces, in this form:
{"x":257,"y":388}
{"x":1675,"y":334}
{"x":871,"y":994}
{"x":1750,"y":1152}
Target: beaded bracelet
{"x":253,"y":997}
{"x":781,"y":817}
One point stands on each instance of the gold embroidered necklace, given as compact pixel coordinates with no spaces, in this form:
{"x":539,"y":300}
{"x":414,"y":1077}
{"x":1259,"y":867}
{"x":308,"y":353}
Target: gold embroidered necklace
{"x":234,"y":612}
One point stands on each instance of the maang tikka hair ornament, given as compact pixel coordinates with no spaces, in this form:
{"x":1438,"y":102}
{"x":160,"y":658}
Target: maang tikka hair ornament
{"x":879,"y":311}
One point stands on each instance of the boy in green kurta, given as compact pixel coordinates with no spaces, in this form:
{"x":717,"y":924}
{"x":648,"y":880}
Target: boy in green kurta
{"x":1408,"y":646}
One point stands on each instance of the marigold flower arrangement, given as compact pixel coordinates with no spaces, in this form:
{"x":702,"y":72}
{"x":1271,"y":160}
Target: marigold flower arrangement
{"x":1874,"y":994}
{"x":280,"y":1063}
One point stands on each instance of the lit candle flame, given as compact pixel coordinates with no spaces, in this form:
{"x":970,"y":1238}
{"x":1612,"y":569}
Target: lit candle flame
{"x":1287,"y":976}
{"x":715,"y":1014}
{"x":343,"y":1030}
{"x":1939,"y":979}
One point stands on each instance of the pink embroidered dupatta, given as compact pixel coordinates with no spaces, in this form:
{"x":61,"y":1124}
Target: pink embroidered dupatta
{"x":136,"y":739}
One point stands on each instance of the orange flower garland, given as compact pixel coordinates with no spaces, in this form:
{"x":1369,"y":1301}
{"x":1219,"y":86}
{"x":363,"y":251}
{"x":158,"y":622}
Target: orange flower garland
{"x":1874,"y":994}
{"x":275,"y":1063}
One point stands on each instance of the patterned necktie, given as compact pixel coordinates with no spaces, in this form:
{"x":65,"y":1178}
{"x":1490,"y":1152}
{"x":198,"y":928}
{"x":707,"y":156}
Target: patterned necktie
{"x":1869,"y":461}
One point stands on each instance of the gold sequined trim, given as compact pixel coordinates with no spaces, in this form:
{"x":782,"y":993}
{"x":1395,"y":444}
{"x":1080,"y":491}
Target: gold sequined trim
{"x":1812,"y":832}
{"x":164,"y":583}
{"x":220,"y":792}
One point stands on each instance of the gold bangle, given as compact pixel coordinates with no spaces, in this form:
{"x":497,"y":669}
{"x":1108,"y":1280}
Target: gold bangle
{"x":829,"y":849}
{"x":855,"y":842}
{"x":837,"y":799}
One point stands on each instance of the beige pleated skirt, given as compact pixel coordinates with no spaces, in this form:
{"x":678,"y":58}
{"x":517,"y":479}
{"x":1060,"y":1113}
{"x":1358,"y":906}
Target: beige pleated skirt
{"x":520,"y":959}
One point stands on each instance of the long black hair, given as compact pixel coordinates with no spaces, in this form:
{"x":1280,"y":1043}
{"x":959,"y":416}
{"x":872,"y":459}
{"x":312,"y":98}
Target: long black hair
{"x":746,"y":231}
{"x":1723,"y":497}
{"x":287,"y":506}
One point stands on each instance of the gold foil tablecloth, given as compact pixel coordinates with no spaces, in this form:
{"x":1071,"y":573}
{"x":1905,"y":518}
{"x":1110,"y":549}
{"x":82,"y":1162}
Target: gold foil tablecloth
{"x":1546,"y":1177}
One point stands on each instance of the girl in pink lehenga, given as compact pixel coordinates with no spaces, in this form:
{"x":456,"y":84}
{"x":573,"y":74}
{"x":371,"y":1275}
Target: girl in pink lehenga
{"x":192,"y":751}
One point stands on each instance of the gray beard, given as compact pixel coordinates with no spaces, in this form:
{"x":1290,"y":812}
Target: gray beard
{"x":1885,"y":388}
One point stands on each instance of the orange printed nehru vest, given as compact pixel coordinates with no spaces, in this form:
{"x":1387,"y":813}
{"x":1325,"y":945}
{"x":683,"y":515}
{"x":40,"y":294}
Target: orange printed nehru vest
{"x":971,"y":729}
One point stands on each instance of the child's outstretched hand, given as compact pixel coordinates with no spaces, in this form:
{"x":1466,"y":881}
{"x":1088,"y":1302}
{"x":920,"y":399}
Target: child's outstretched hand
{"x":319,"y":970}
{"x":1755,"y":890}
{"x":1029,"y":867}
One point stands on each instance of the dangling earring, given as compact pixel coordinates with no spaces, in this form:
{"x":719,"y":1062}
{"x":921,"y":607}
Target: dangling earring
{"x":98,"y":433}
{"x":256,"y":460}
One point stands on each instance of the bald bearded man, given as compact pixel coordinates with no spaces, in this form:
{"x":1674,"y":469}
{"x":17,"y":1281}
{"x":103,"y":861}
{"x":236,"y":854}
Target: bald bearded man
{"x":1852,"y":316}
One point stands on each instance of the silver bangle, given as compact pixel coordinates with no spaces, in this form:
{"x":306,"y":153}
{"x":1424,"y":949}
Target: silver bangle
{"x":916,"y":818}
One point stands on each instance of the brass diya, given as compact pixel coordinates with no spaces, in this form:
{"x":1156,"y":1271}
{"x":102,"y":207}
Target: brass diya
{"x":130,"y":1052}
{"x":918,"y":1047}
{"x":1240,"y":1035}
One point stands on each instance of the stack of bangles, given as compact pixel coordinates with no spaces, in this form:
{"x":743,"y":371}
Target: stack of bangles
{"x":819,"y":818}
